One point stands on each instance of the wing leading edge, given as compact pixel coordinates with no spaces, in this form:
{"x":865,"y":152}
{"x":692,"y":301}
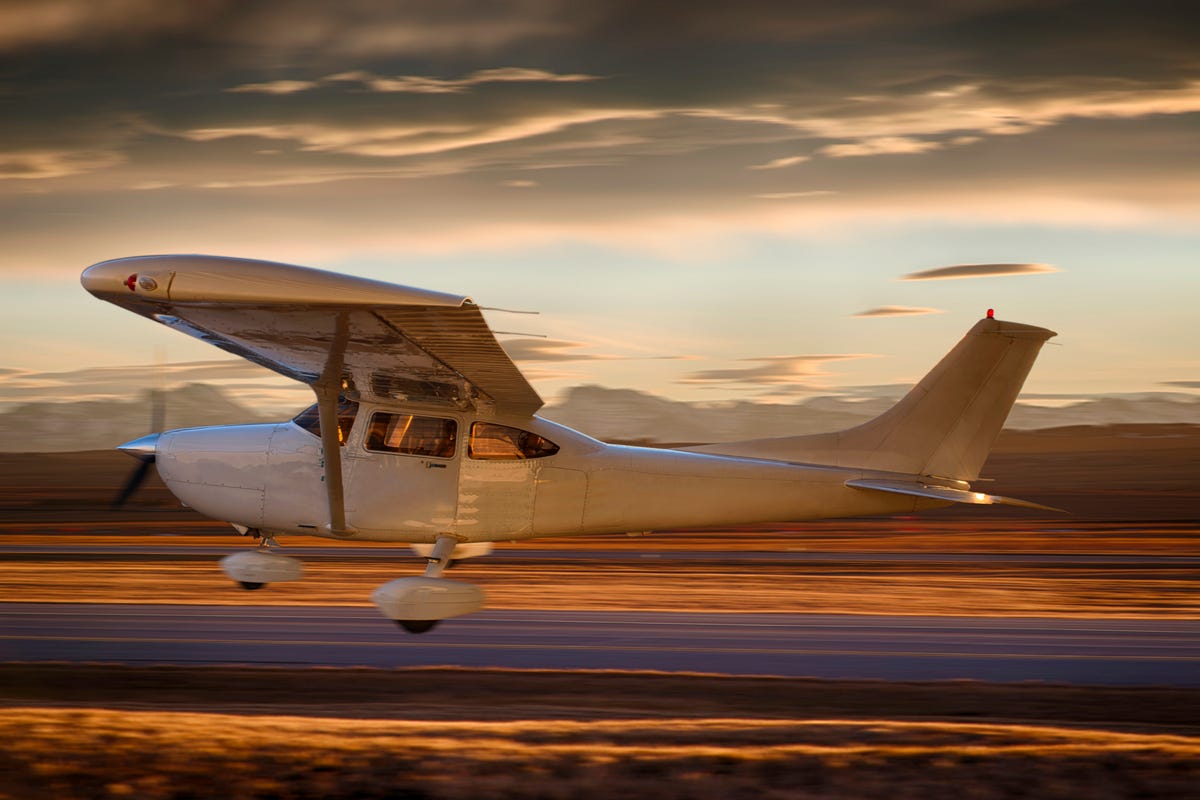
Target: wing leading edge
{"x":387,"y":341}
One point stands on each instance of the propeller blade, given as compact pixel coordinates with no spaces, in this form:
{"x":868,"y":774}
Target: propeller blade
{"x":136,"y":478}
{"x":158,"y":410}
{"x":144,"y":448}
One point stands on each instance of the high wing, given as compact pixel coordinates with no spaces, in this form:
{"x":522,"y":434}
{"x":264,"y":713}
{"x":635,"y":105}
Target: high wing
{"x":372,"y":339}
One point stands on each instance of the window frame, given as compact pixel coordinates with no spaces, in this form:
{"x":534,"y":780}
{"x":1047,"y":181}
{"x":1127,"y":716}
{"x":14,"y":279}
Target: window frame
{"x":347,"y":409}
{"x":376,"y":413}
{"x":521,"y":457}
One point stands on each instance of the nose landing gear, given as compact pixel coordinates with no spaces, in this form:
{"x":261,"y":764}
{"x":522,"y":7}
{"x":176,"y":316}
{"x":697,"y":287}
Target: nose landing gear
{"x":254,"y":569}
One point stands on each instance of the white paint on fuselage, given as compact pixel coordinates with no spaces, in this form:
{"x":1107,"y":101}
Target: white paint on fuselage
{"x":271,"y":477}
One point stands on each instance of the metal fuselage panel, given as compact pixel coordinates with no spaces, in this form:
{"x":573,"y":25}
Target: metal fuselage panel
{"x":271,"y":477}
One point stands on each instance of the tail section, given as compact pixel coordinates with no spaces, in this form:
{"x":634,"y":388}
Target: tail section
{"x":943,"y":428}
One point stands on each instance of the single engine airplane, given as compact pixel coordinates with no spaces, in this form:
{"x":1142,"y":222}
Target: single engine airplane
{"x":425,"y":432}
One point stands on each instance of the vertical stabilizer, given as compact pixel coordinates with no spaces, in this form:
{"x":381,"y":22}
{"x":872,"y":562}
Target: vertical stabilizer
{"x":947,"y":423}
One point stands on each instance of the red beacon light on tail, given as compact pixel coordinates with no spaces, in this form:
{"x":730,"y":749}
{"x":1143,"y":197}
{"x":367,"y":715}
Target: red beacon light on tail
{"x":991,"y":313}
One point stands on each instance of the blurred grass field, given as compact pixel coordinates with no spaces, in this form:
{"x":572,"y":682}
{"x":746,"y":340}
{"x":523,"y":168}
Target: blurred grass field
{"x":169,"y":732}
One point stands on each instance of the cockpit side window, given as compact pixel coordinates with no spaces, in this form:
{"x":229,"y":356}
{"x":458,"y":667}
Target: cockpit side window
{"x":310,"y":419}
{"x":500,"y":442}
{"x":412,"y":435}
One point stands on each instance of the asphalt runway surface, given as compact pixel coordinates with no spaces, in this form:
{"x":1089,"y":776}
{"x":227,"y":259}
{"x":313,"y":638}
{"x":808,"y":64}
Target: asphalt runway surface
{"x":1080,"y":651}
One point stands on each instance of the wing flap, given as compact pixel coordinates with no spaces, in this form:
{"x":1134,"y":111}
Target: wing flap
{"x":947,"y":493}
{"x":461,"y":337}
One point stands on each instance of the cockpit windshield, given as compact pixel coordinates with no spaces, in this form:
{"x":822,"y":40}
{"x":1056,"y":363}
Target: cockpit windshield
{"x":310,"y":419}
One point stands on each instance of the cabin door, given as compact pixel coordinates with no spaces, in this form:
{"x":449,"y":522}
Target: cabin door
{"x":402,"y":475}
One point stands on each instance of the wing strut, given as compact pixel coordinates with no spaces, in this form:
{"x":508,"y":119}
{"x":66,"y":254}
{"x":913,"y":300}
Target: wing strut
{"x":328,"y":389}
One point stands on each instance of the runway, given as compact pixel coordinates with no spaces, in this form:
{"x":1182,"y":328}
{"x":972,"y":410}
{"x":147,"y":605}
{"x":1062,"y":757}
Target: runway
{"x":1081,"y":651}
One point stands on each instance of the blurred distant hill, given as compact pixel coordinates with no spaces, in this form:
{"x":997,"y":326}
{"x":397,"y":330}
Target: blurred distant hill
{"x":610,"y":414}
{"x":103,"y":424}
{"x":629,"y":415}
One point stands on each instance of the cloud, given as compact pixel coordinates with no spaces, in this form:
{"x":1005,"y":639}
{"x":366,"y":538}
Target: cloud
{"x":425,"y":85}
{"x":417,"y":84}
{"x":771,"y":371}
{"x":648,"y":158}
{"x":45,"y":164}
{"x":546,"y":350}
{"x":276,"y":87}
{"x":558,"y":350}
{"x":793,"y":195}
{"x":883,"y":145}
{"x":535,"y":374}
{"x":906,"y":122}
{"x":1183,"y":384}
{"x":897,"y":311}
{"x":281,"y":28}
{"x":977,"y":271}
{"x":395,"y":141}
{"x":780,"y":163}
{"x":31,"y":23}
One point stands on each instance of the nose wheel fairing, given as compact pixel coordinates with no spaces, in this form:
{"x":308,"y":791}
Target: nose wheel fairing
{"x":255,"y":568}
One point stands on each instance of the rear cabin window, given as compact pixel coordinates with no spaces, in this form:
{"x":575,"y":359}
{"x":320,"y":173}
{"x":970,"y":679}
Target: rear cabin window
{"x":412,"y":435}
{"x":500,"y":442}
{"x":310,"y":419}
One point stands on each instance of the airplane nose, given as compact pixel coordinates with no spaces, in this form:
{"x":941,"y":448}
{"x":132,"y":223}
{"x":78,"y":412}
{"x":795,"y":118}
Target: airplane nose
{"x":143,"y":449}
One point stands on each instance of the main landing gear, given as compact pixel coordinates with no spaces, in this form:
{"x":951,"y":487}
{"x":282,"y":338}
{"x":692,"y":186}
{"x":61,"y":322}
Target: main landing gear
{"x":418,"y":604}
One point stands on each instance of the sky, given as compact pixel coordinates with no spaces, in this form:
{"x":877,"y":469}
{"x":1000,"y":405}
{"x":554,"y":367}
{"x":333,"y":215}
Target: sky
{"x":705,"y":200}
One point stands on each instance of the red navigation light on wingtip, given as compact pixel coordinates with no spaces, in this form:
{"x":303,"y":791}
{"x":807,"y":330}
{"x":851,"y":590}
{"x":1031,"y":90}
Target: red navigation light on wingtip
{"x":131,"y":282}
{"x":991,"y":313}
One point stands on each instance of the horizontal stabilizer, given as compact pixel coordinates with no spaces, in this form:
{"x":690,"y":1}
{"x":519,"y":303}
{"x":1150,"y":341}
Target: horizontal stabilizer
{"x":950,"y":494}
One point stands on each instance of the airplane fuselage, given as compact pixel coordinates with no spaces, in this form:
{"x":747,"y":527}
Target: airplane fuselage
{"x":270,"y":477}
